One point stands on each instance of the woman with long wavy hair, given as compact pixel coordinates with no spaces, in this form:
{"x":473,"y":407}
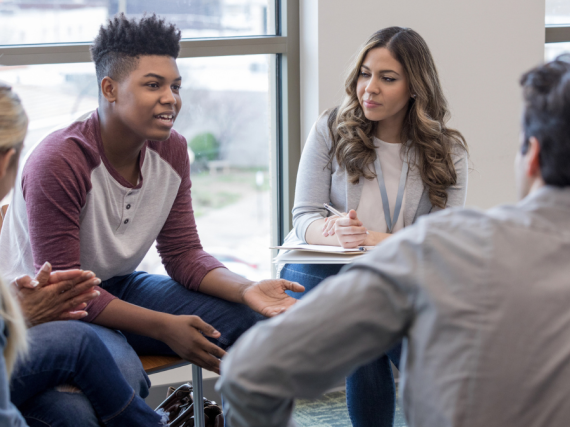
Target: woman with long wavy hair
{"x":385,"y":157}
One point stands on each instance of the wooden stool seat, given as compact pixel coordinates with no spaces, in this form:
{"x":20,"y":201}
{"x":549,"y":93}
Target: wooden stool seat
{"x":155,"y":364}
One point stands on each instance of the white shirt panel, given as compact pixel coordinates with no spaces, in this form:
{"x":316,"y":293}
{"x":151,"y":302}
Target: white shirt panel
{"x":370,"y":209}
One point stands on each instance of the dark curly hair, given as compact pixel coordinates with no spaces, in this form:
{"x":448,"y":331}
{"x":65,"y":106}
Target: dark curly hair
{"x":117,"y":47}
{"x":546,"y":92}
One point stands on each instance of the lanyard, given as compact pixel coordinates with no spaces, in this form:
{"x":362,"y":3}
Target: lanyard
{"x":390,"y":224}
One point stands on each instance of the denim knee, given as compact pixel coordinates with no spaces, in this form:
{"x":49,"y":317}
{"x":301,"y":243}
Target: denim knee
{"x":242,"y":319}
{"x":57,"y":409}
{"x":126,"y":359}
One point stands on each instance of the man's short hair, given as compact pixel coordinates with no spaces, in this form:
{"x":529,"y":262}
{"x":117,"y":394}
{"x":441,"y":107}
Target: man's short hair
{"x":546,"y":91}
{"x":118,"y":46}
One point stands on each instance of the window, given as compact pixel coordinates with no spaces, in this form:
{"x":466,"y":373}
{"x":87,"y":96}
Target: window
{"x":239,"y":63}
{"x":72,"y":21}
{"x":557,"y":20}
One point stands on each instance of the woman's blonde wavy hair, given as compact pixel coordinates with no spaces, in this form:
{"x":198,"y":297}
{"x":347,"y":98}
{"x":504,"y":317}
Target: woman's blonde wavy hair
{"x":13,"y":128}
{"x":424,"y":125}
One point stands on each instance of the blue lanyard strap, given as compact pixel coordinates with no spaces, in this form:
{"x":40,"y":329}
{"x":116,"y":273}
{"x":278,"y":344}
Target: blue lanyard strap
{"x":390,"y":224}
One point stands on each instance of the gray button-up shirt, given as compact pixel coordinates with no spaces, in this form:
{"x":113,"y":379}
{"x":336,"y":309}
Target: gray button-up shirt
{"x":482,"y":300}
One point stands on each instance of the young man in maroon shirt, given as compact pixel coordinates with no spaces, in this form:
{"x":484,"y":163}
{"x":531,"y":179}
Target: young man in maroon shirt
{"x":97,"y":194}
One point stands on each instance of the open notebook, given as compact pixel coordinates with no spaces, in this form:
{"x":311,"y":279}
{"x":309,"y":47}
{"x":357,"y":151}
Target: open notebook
{"x":325,"y":249}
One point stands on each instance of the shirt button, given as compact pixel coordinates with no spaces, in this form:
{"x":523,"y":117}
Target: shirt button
{"x":126,"y":221}
{"x":128,"y":206}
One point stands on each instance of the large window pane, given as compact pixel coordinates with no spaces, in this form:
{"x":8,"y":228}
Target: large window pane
{"x":226,"y":119}
{"x":70,"y":21}
{"x":552,"y":50}
{"x":557,"y":12}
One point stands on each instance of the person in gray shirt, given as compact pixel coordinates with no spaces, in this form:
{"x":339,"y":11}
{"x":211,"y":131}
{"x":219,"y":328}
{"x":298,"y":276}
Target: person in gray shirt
{"x":481,"y":300}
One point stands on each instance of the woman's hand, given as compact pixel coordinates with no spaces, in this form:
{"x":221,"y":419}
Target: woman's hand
{"x":62,"y":295}
{"x":186,"y":335}
{"x":268,"y":297}
{"x":349,"y":231}
{"x":328,"y":226}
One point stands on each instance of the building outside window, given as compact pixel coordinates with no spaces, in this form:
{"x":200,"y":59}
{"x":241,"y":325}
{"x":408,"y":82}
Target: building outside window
{"x":557,"y":20}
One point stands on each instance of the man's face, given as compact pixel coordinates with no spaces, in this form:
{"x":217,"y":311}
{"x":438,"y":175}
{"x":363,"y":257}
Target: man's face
{"x":148,"y":98}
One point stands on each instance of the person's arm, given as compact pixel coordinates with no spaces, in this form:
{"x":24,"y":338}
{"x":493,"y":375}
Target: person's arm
{"x":349,"y":320}
{"x":9,"y":414}
{"x":186,"y":262}
{"x":55,"y":183}
{"x":183,"y":334}
{"x":313,"y":186}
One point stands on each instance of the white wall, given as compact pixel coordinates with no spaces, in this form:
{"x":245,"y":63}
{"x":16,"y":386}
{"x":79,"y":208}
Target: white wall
{"x":481,"y":48}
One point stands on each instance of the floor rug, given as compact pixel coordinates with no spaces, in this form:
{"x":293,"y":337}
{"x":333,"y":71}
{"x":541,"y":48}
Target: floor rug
{"x":330,"y":411}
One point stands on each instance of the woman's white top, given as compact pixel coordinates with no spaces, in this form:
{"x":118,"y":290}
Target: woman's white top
{"x":370,"y":210}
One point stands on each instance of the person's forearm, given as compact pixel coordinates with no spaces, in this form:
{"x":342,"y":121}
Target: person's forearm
{"x":131,"y":318}
{"x":314,"y":235}
{"x":375,"y":237}
{"x":222,"y":283}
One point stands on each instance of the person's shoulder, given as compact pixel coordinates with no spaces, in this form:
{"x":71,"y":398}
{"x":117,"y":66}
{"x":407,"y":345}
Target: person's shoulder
{"x":457,"y":148}
{"x":173,"y":150}
{"x":71,"y":147}
{"x":320,"y":131}
{"x":322,"y":123}
{"x":454,"y":217}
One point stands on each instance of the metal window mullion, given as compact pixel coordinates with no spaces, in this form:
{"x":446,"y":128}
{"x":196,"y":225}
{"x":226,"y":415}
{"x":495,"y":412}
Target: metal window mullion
{"x":290,"y":115}
{"x":557,"y":34}
{"x":79,"y":52}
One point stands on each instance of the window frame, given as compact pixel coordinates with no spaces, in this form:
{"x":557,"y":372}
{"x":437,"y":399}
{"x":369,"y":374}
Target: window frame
{"x":285,"y":90}
{"x":557,"y":33}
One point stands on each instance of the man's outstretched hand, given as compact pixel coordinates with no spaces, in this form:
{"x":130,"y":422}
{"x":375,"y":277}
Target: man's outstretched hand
{"x":268,"y":297}
{"x":62,"y":295}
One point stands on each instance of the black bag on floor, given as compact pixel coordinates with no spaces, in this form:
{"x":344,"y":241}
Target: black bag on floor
{"x":179,"y":407}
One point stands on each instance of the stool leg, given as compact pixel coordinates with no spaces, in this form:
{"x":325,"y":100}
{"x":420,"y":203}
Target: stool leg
{"x":198,"y":396}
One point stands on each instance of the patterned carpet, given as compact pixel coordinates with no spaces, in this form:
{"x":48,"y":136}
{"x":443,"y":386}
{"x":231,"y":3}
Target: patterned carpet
{"x":330,"y":411}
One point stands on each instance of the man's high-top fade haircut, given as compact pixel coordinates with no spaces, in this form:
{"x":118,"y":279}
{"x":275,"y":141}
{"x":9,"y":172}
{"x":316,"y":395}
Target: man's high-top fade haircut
{"x":118,"y":46}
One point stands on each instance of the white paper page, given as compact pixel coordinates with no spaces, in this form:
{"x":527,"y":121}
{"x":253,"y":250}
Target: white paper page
{"x":325,"y":249}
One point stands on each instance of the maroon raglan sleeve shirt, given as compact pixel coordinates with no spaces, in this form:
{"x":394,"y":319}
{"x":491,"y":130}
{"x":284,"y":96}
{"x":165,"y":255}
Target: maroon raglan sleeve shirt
{"x":74,"y":210}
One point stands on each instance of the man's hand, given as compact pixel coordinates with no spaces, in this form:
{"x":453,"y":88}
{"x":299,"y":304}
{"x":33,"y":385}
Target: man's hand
{"x":62,"y":295}
{"x":268,"y":297}
{"x":186,"y":335}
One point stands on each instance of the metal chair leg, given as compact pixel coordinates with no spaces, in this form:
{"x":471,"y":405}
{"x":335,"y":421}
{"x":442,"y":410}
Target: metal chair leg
{"x":198,"y":396}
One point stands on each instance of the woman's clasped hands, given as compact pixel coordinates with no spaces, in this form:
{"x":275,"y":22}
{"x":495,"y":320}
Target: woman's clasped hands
{"x":348,"y":229}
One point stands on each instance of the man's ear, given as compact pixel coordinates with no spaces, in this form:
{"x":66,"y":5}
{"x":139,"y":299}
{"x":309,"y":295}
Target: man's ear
{"x":5,"y":161}
{"x":532,"y":159}
{"x":109,"y":89}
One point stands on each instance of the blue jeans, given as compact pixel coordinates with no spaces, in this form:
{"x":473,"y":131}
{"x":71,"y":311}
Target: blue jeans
{"x":161,"y":293}
{"x":73,"y":352}
{"x":370,"y":390}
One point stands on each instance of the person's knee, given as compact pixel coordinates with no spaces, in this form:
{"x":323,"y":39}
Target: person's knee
{"x":65,"y":334}
{"x":56,"y":409}
{"x":242,"y":319}
{"x":126,"y":359}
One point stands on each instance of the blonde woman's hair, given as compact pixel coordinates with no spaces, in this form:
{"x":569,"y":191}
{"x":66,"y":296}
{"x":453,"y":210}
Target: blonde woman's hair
{"x":13,"y":128}
{"x":424,"y":124}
